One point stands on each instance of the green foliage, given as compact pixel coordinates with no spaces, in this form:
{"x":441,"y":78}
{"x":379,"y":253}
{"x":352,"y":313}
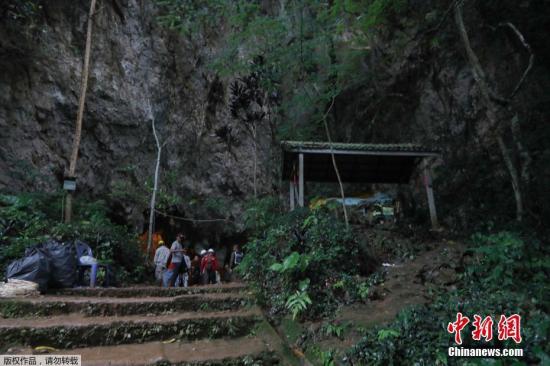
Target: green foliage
{"x":327,"y":358}
{"x":22,"y":11}
{"x":260,"y":212}
{"x":356,"y":288}
{"x":297,"y":246}
{"x":315,"y":49}
{"x":299,"y":301}
{"x":292,"y":329}
{"x":387,"y":333}
{"x":189,"y":17}
{"x":377,"y":11}
{"x":295,"y":261}
{"x":321,"y":356}
{"x":140,"y":194}
{"x":29,"y":219}
{"x":498,"y":256}
{"x":363,"y":290}
{"x":218,"y":206}
{"x":419,"y":333}
{"x":335,"y":330}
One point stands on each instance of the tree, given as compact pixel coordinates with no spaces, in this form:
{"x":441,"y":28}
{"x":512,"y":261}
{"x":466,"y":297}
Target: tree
{"x":80,"y":113}
{"x":152,"y":206}
{"x":517,"y":166}
{"x":335,"y":166}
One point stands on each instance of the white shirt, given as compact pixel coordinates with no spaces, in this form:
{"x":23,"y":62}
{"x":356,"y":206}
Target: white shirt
{"x":177,"y":255}
{"x":187,"y":261}
{"x":161,"y":256}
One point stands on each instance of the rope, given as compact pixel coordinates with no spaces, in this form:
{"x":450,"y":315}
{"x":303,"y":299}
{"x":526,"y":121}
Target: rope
{"x":189,"y":219}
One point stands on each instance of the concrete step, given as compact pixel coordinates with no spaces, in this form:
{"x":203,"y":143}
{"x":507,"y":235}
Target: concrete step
{"x":151,"y":291}
{"x":107,"y":306}
{"x":238,"y":351}
{"x":77,"y":330}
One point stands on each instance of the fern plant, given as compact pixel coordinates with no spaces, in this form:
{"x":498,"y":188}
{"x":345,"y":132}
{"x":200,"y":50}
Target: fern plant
{"x":335,"y":330}
{"x":300,"y":300}
{"x":327,"y":358}
{"x":363,"y":291}
{"x":387,"y":333}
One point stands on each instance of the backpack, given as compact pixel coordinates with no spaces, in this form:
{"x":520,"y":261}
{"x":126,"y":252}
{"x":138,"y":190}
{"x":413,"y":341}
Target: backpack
{"x":209,"y":263}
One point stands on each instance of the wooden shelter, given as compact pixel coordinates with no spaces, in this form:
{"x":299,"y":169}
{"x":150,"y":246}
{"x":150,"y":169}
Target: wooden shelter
{"x":357,"y":163}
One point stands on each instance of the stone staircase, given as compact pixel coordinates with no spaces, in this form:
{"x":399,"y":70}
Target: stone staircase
{"x":206,"y":325}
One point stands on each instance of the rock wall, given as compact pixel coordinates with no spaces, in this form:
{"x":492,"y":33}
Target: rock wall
{"x":135,"y":64}
{"x":422,"y":90}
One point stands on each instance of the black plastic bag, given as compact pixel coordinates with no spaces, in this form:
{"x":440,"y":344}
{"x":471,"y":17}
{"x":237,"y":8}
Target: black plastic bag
{"x":34,"y":267}
{"x":62,"y":264}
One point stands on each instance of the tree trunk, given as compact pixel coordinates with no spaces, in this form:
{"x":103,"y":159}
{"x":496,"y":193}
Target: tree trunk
{"x":514,"y":176}
{"x":155,"y":188}
{"x":254,"y":136}
{"x":524,"y":156}
{"x":336,"y":166}
{"x":80,"y":113}
{"x":492,"y":109}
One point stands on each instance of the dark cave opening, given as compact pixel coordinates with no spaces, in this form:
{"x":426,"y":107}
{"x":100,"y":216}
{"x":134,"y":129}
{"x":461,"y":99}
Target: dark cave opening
{"x":199,"y":235}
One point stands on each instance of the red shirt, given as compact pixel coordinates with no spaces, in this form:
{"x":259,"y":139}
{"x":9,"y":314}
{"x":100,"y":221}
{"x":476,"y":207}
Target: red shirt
{"x":209,"y":257}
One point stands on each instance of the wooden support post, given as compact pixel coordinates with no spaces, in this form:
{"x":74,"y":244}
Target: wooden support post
{"x":292,"y":200}
{"x":431,"y":199}
{"x":301,"y":180}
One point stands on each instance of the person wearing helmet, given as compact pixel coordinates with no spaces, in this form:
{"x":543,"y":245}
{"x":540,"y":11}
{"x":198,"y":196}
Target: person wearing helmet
{"x":203,"y":274}
{"x":203,"y":279}
{"x":209,"y":266}
{"x":161,"y":258}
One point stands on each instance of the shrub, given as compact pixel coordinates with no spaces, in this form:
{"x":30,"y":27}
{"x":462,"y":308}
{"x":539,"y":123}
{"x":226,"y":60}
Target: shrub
{"x":29,"y":219}
{"x":291,"y":247}
{"x":507,"y":276}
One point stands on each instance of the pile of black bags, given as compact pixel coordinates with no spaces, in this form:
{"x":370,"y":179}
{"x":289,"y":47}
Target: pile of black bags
{"x":50,"y":265}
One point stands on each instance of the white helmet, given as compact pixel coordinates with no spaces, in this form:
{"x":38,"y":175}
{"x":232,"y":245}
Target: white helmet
{"x":210,"y":250}
{"x":203,"y":252}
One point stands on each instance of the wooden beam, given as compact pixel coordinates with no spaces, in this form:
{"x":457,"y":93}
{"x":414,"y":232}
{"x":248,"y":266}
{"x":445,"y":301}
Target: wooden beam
{"x":301,"y":180}
{"x":292,"y":200}
{"x":430,"y":193}
{"x":363,"y":152}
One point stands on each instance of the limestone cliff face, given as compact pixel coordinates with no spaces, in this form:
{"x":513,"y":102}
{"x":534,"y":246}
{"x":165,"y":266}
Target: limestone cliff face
{"x":135,"y":63}
{"x":422,"y":91}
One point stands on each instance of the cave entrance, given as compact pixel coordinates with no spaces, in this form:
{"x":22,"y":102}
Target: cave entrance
{"x":199,"y":234}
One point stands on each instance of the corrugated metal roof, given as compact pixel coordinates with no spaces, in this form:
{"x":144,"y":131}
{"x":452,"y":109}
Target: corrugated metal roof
{"x":320,"y":145}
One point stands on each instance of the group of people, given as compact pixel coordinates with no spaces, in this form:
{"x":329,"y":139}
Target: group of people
{"x":174,"y":266}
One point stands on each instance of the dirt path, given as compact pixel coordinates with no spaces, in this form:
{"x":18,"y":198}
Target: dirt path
{"x":406,"y":283}
{"x":176,"y":352}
